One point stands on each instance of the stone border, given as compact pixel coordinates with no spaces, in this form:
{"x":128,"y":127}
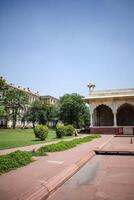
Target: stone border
{"x":105,"y":143}
{"x":56,"y":181}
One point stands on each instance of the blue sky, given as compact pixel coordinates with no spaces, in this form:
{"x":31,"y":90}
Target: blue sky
{"x":58,"y":46}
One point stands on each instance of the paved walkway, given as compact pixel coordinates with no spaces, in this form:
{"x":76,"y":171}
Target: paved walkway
{"x":120,"y":144}
{"x":103,"y":177}
{"x":41,"y":175}
{"x":37,"y":146}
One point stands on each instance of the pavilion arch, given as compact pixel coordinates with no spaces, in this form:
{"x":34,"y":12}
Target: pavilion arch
{"x":125,"y":115}
{"x":103,"y":116}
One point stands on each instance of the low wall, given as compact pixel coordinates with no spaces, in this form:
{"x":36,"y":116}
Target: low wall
{"x":107,"y":130}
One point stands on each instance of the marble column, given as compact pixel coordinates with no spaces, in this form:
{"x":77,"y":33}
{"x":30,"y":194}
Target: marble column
{"x":115,"y":119}
{"x":91,"y":118}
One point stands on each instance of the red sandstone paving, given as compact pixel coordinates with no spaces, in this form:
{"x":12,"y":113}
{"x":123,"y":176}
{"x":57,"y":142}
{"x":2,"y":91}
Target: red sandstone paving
{"x":103,"y":177}
{"x":120,"y":143}
{"x":20,"y":183}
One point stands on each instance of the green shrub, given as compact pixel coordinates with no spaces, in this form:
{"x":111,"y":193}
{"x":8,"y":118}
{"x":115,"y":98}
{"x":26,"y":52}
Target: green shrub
{"x":60,"y":146}
{"x":64,"y":145}
{"x":69,"y":130}
{"x":41,"y":132}
{"x":60,"y":130}
{"x":14,"y":160}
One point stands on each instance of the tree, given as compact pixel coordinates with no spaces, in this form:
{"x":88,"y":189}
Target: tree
{"x":73,"y":110}
{"x":32,"y":113}
{"x":37,"y":112}
{"x":53,"y":112}
{"x":15,"y":102}
{"x":2,"y":83}
{"x":41,"y":112}
{"x":2,"y":89}
{"x":84,"y":120}
{"x":2,"y":111}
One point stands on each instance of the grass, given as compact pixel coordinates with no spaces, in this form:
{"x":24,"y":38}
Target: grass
{"x":14,"y":160}
{"x":63,"y":145}
{"x":21,"y":158}
{"x":10,"y":138}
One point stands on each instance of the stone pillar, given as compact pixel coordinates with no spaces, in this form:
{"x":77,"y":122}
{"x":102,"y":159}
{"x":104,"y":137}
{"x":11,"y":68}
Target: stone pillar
{"x":114,"y":113}
{"x":91,"y":116}
{"x":115,"y":119}
{"x":91,"y":119}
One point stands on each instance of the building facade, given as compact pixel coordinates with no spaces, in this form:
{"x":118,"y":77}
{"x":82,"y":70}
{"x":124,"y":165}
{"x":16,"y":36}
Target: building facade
{"x":31,"y":98}
{"x":111,"y":111}
{"x":49,"y":99}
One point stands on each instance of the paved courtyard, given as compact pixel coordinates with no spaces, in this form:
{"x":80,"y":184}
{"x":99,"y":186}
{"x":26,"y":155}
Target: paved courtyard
{"x":23,"y":182}
{"x":104,"y":177}
{"x":120,"y":144}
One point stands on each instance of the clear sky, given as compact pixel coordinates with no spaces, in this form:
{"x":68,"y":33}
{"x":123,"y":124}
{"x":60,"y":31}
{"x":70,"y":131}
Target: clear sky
{"x":58,"y":46}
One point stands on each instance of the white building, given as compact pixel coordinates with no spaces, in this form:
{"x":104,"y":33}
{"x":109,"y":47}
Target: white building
{"x":111,"y":111}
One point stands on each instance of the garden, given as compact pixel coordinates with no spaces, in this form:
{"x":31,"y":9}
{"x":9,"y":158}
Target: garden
{"x":69,"y":114}
{"x":21,"y":158}
{"x":10,"y":138}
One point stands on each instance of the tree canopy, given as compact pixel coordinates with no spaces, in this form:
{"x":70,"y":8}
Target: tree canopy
{"x":41,"y":112}
{"x":2,"y":83}
{"x":2,"y":111}
{"x":15,"y":101}
{"x":73,"y":110}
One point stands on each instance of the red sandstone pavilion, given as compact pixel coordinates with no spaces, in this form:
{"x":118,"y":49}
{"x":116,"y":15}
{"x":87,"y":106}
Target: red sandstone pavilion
{"x":111,"y":111}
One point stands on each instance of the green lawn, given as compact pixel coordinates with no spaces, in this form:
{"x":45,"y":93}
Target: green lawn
{"x":10,"y":138}
{"x":21,"y":158}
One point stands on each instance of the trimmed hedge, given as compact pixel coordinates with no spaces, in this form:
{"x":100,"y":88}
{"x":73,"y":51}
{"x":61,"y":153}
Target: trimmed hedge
{"x":41,"y":132}
{"x":14,"y":160}
{"x":60,"y":130}
{"x":69,"y":130}
{"x":64,"y":130}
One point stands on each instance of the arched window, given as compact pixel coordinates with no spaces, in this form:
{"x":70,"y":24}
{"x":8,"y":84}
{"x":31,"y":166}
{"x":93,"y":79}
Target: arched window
{"x":125,"y":115}
{"x":103,"y":116}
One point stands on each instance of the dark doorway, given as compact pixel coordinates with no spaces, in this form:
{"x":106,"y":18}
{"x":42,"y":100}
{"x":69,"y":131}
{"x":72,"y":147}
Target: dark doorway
{"x":103,"y":116}
{"x":125,"y":115}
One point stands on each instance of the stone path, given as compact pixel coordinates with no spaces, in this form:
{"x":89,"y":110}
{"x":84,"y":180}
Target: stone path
{"x":37,"y":179}
{"x":104,"y":177}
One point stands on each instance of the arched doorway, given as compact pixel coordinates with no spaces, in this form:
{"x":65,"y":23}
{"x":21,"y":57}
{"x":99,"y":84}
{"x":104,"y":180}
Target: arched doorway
{"x":125,"y":115}
{"x":103,"y":116}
